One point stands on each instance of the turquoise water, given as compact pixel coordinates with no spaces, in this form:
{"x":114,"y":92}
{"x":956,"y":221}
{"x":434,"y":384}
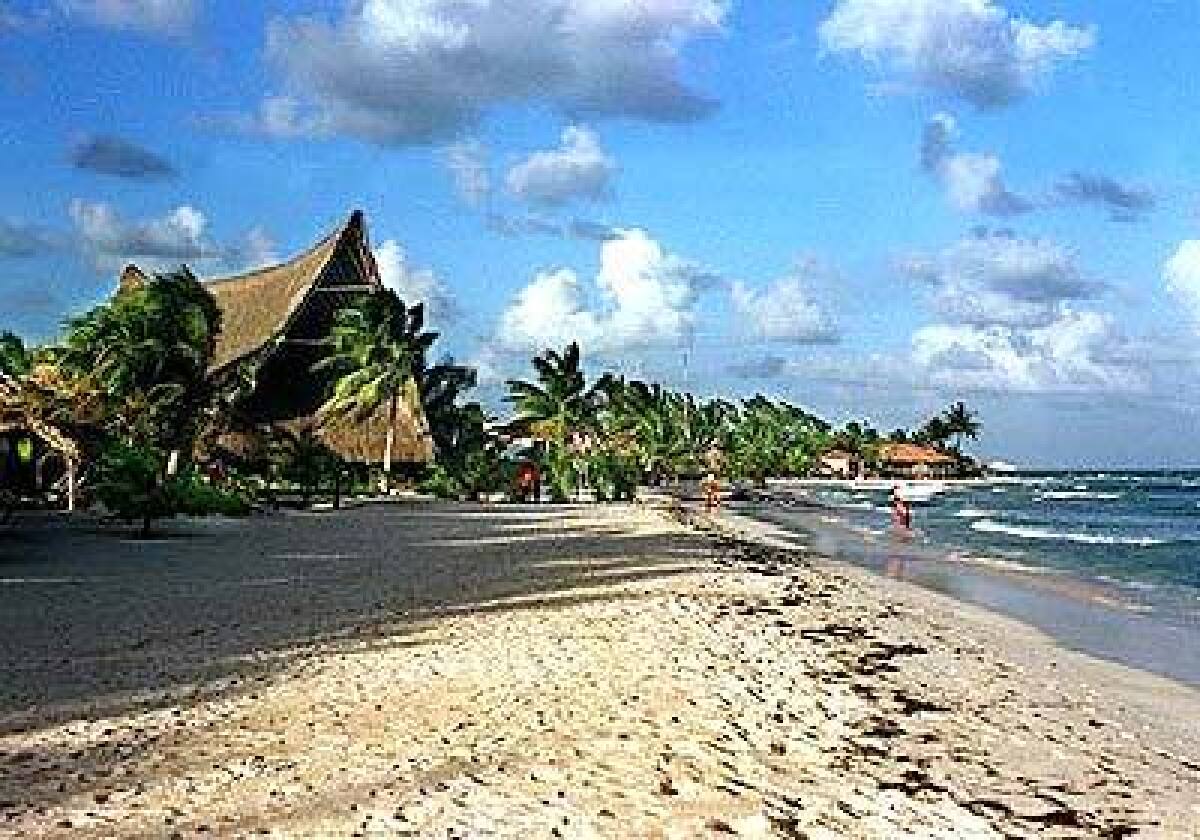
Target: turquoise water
{"x":1106,"y":562}
{"x":1139,"y":530}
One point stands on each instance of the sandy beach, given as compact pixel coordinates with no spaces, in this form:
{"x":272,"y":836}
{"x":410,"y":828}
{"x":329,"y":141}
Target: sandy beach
{"x":458,"y":671}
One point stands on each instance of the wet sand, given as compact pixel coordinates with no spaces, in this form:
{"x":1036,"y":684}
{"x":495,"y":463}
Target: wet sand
{"x":603,"y":672}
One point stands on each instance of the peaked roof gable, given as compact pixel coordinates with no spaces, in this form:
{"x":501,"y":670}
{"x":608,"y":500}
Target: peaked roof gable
{"x":259,"y":305}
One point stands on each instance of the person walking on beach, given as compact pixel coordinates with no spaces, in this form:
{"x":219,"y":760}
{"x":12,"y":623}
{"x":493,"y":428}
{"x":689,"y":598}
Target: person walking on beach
{"x":712,"y":492}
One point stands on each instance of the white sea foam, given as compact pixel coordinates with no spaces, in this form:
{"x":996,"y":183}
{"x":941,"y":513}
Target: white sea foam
{"x":992,"y":527}
{"x":1075,"y":495}
{"x":975,"y":513}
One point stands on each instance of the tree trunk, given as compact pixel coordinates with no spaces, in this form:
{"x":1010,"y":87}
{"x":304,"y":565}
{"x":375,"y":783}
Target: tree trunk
{"x":337,"y":487}
{"x":393,"y":410}
{"x":145,"y":531}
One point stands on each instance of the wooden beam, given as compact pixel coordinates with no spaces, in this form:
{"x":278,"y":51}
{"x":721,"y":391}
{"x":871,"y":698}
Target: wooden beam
{"x":362,"y":289}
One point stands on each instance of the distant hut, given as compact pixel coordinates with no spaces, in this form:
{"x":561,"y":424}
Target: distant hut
{"x":277,"y":320}
{"x":910,"y":460}
{"x":838,"y":463}
{"x":35,"y":456}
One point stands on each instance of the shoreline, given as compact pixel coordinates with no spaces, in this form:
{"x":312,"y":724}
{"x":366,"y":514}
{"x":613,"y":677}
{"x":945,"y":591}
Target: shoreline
{"x":648,"y":681}
{"x":1109,"y":619}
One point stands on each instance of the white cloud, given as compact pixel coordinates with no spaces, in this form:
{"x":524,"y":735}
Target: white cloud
{"x":1008,"y":319}
{"x":1000,"y":279}
{"x":169,"y":17}
{"x":784,"y":312}
{"x":467,"y":162}
{"x":259,"y":250}
{"x":1182,"y":275}
{"x":413,"y":71}
{"x":578,"y":168}
{"x":1081,"y":351}
{"x":974,"y":182}
{"x":972,"y":49}
{"x":647,"y":297}
{"x":180,"y":236}
{"x":411,"y":284}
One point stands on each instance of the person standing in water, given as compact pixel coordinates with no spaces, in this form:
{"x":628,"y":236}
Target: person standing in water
{"x":901,"y":511}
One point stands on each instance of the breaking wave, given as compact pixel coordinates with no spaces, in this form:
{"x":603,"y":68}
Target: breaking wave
{"x":989,"y":526}
{"x":1074,"y":495}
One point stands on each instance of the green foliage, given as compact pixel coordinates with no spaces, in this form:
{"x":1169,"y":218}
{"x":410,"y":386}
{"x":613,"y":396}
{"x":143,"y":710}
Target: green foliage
{"x":15,"y":358}
{"x":303,"y":460}
{"x":193,"y":495}
{"x":377,"y":347}
{"x":442,"y":484}
{"x":131,"y":482}
{"x":147,"y":352}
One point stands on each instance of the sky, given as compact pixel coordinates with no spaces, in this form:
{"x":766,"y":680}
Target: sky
{"x":867,"y":207}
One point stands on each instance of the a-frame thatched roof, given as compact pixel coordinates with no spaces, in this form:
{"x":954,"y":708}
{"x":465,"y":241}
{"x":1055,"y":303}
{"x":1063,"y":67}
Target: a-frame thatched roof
{"x":259,"y":306}
{"x":280,"y":314}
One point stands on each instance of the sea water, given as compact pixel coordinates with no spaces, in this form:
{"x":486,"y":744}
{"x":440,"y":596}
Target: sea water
{"x":1127,"y":543}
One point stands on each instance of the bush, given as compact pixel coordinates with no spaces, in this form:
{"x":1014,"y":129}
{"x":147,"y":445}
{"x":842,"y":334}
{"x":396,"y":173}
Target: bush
{"x":191,"y":495}
{"x":131,"y":482}
{"x":441,"y":483}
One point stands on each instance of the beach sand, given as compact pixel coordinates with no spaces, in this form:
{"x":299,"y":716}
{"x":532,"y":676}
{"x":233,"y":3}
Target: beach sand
{"x":645,"y":680}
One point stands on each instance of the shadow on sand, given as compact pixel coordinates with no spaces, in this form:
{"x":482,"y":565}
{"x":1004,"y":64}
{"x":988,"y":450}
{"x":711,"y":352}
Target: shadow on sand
{"x":95,"y":626}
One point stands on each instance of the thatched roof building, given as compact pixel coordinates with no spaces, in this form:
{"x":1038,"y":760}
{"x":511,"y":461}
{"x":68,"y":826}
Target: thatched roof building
{"x":911,"y":460}
{"x":275,"y":320}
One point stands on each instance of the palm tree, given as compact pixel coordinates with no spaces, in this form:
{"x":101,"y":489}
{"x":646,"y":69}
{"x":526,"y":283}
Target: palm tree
{"x":560,"y":403}
{"x":961,"y":423}
{"x":376,"y":346}
{"x":15,"y":359}
{"x":560,"y":400}
{"x":151,"y":345}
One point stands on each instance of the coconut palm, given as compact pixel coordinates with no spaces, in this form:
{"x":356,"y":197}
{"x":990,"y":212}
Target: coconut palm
{"x":961,"y":423}
{"x":560,"y":400}
{"x":15,"y":358}
{"x":375,"y":348}
{"x":151,"y":346}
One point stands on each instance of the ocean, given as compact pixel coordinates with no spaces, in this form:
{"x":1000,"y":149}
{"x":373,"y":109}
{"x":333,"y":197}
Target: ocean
{"x":1107,"y":561}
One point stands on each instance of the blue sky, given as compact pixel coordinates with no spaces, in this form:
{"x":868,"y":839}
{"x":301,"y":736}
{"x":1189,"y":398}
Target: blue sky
{"x":870,"y":207}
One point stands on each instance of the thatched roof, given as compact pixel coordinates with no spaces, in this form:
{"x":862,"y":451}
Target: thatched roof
{"x":258,"y":306}
{"x":911,"y":453}
{"x":261,"y":306}
{"x":13,"y":418}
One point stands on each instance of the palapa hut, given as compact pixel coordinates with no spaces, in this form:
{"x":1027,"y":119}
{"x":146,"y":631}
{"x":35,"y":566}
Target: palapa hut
{"x":274,"y":323}
{"x":910,"y":460}
{"x":34,"y":455}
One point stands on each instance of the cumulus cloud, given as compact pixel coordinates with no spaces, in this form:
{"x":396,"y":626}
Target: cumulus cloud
{"x":1125,"y":203}
{"x":119,"y":158}
{"x":1182,"y":276}
{"x":645,"y":296}
{"x":413,"y":285}
{"x":167,"y":17}
{"x":998,"y":279}
{"x":972,"y":49}
{"x":259,"y":249}
{"x":578,"y":169}
{"x":467,"y":162}
{"x":1080,"y":351}
{"x":398,"y":72}
{"x":974,"y":182}
{"x":22,"y":240}
{"x":110,"y":240}
{"x":784,"y":312}
{"x":1009,"y":317}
